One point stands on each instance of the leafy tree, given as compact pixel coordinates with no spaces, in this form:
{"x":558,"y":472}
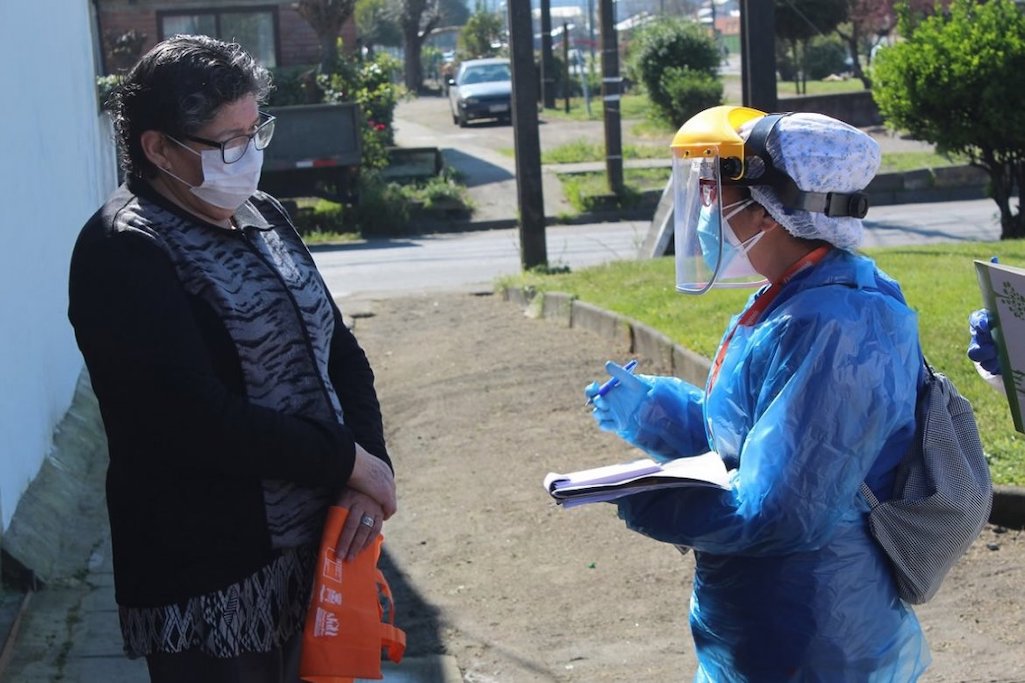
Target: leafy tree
{"x":871,"y":21}
{"x":798,"y":21}
{"x":377,"y":24}
{"x":453,"y":12}
{"x":676,"y":44}
{"x":326,"y":17}
{"x":481,"y":31}
{"x":417,"y":19}
{"x":957,"y":81}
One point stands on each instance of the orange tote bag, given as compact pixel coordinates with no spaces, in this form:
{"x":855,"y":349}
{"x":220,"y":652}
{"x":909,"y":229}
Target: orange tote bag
{"x":350,"y":624}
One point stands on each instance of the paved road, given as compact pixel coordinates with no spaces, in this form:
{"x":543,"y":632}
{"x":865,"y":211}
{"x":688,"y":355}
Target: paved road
{"x":459,"y":261}
{"x":472,"y":260}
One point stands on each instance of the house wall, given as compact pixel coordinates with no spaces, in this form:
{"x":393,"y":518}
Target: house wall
{"x":297,"y":42}
{"x":56,"y":166}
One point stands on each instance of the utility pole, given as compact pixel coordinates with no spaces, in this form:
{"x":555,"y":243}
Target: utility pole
{"x":565,"y":64}
{"x":758,"y":54}
{"x":611,"y":87}
{"x":590,"y":27}
{"x":530,"y":198}
{"x":547,"y":60}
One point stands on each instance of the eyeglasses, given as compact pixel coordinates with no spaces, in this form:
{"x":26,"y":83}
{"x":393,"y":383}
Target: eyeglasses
{"x":234,"y":148}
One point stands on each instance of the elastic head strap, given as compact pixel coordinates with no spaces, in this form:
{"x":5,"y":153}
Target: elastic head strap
{"x":832,"y":204}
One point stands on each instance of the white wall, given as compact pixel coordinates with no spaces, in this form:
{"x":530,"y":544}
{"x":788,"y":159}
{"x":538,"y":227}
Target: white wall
{"x":56,"y":166}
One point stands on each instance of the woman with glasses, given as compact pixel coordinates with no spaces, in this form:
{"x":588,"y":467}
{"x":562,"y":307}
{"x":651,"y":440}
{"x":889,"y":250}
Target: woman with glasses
{"x":236,"y":403}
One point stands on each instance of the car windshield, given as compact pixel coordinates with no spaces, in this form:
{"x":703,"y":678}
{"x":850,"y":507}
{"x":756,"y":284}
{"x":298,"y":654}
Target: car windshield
{"x":486,"y":73}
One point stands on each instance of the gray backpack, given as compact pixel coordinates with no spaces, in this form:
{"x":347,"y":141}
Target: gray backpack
{"x":942,"y":495}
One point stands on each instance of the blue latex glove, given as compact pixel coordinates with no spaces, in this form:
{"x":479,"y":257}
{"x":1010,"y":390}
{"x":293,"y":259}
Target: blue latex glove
{"x":981,"y":348}
{"x":616,"y":410}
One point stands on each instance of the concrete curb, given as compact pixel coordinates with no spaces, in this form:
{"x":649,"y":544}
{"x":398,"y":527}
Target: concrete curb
{"x":650,"y":344}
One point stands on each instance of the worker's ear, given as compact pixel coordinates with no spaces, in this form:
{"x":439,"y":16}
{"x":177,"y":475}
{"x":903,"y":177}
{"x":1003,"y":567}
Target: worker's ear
{"x":154,"y":146}
{"x":766,"y":222}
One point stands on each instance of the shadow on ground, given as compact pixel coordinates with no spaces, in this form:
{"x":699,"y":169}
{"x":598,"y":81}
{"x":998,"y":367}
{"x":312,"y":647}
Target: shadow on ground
{"x":419,"y":619}
{"x":475,"y":171}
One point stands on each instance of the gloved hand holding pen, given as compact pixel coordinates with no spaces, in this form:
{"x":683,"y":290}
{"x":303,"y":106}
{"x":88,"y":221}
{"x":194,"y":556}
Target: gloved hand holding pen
{"x":616,"y":402}
{"x":660,"y":415}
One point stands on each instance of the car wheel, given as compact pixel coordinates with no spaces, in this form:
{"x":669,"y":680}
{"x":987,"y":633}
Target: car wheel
{"x":462,"y":120}
{"x":455,"y":119}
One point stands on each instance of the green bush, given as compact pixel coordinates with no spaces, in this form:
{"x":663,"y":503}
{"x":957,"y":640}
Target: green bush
{"x":824,"y":56}
{"x":370,"y":84}
{"x":667,"y":44}
{"x":956,"y":80}
{"x":294,"y":85}
{"x":324,"y":216}
{"x":689,"y":92}
{"x":105,"y":86}
{"x":382,"y":210}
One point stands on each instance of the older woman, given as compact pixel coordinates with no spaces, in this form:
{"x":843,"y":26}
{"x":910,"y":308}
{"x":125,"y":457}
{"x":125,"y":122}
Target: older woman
{"x":237,"y":405}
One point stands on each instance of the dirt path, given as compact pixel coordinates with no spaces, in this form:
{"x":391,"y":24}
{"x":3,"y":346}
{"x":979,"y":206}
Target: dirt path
{"x":480,"y":403}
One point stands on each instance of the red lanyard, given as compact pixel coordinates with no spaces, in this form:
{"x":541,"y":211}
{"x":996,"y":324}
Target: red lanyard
{"x":751,"y":315}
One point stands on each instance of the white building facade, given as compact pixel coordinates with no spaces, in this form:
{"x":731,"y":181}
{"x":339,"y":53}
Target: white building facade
{"x":57,"y":165}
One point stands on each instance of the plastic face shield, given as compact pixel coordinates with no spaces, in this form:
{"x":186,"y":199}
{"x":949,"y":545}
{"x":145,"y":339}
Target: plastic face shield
{"x":700,"y":242}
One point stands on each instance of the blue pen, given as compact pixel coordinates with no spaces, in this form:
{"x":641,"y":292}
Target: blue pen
{"x":612,"y":383}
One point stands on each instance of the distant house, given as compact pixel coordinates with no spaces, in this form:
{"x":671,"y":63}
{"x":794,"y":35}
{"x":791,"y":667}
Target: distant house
{"x":273,"y":32}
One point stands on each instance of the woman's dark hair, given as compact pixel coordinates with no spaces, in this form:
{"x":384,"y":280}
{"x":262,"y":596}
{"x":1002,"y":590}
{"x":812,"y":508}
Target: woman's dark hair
{"x":176,"y":88}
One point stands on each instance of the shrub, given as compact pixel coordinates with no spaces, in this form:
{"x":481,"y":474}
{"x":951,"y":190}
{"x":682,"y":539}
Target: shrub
{"x":105,"y":86}
{"x":370,"y":85}
{"x":323,"y":216}
{"x":671,"y":43}
{"x":382,"y":210}
{"x":824,"y":56}
{"x":689,"y":92}
{"x":956,"y":81}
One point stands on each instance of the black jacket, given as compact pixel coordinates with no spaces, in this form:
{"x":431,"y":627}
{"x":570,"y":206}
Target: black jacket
{"x":189,"y":450}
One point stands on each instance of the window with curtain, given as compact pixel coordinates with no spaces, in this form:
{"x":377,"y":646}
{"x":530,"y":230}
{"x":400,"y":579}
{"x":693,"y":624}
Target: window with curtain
{"x":252,"y":29}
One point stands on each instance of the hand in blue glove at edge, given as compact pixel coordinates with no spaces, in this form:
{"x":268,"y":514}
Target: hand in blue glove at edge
{"x":982,"y":348}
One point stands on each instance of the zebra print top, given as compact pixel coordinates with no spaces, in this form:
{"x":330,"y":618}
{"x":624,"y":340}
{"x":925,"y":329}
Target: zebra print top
{"x":261,"y":287}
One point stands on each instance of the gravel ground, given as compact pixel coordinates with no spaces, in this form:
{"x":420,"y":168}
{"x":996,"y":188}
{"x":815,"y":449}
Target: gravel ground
{"x":480,"y":402}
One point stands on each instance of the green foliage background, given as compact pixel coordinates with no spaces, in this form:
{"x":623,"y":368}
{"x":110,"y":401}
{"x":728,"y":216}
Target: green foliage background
{"x":677,"y":62}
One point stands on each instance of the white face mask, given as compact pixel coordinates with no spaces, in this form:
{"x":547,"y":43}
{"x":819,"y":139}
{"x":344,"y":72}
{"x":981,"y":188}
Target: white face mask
{"x":226,"y":186}
{"x":739,"y":264}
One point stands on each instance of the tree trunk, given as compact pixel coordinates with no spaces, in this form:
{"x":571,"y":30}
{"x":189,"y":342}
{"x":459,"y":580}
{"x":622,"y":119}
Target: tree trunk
{"x":328,"y":53}
{"x":1016,"y":229}
{"x":1001,"y":178}
{"x":412,"y":69}
{"x":797,"y":67}
{"x":852,"y":39}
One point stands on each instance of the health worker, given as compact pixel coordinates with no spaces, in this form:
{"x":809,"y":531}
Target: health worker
{"x":811,"y":392}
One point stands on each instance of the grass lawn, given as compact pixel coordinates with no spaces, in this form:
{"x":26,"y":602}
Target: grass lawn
{"x":938,"y":281}
{"x":590,"y":191}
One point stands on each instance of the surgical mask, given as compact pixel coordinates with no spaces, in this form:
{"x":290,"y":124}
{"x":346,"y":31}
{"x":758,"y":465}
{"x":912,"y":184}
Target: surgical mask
{"x":734,"y":261}
{"x":226,"y":186}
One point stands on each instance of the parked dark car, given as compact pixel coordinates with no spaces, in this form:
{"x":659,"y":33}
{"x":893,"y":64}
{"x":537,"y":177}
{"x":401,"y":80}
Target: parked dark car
{"x":481,"y":89}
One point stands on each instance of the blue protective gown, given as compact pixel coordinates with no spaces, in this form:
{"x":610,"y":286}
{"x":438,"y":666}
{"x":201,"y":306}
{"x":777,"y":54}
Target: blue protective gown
{"x":814,"y":396}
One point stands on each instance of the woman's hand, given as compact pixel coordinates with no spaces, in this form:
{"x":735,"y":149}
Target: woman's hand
{"x":372,"y":477}
{"x":357,"y":533}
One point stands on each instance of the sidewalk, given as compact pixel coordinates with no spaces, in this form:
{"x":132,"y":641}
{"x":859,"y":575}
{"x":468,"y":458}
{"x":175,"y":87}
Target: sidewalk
{"x":69,"y":632}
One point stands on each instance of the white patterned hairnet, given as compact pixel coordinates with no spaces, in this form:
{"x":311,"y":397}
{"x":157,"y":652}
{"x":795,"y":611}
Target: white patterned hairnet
{"x":821,"y":154}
